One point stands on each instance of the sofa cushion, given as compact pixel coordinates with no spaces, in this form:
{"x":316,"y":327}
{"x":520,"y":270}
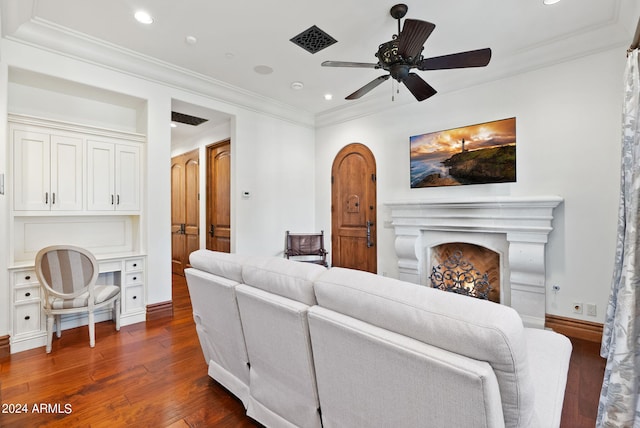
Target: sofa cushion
{"x":286,"y":278}
{"x":221,"y":264}
{"x":478,"y":329}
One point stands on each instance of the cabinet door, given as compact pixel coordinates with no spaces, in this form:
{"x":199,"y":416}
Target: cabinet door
{"x":127,"y":182}
{"x":100,"y":176}
{"x":66,"y":173}
{"x":31,"y":171}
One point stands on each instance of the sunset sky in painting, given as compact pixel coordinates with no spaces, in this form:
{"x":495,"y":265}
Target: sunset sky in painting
{"x":483,"y":135}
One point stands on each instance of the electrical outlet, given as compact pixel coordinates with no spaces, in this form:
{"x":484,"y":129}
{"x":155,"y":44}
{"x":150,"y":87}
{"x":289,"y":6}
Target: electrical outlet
{"x":591,"y":310}
{"x":577,"y":307}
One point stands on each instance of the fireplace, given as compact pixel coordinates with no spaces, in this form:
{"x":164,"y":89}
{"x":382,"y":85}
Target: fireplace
{"x":468,"y":269}
{"x":516,"y":229}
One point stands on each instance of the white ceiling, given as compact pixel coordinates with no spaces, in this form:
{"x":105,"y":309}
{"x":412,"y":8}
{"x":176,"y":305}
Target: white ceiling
{"x":234,"y":37}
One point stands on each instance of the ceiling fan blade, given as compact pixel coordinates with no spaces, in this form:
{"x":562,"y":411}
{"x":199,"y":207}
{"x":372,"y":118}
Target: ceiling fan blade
{"x":418,"y":87}
{"x":366,"y":88}
{"x":477,"y":58}
{"x":349,"y":64}
{"x":414,"y":34}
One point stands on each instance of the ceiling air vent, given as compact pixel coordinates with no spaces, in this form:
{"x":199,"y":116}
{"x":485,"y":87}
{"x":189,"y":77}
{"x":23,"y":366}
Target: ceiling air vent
{"x":185,"y":118}
{"x":313,"y":40}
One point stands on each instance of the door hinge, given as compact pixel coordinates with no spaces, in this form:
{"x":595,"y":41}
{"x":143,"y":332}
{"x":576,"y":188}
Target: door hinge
{"x":373,"y":178}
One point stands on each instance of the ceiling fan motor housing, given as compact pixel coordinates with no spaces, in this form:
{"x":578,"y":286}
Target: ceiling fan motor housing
{"x":388,"y":54}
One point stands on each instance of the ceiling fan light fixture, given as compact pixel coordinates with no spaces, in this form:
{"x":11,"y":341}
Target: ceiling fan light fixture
{"x":143,"y":17}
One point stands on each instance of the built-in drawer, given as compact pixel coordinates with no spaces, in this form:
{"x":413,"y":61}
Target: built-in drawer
{"x":134,"y":278}
{"x":134,"y":298}
{"x":27,"y":318}
{"x":133,"y":264}
{"x":26,"y":293}
{"x":24,"y":277}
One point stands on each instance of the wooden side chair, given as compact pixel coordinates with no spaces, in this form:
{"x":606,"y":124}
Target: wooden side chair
{"x":306,"y":247}
{"x":68,"y":276}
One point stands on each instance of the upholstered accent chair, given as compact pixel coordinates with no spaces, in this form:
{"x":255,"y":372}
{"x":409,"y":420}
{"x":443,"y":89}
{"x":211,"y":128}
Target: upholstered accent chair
{"x":68,"y":276}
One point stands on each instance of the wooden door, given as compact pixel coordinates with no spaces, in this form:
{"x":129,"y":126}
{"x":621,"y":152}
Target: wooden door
{"x":353,"y":209}
{"x":219,"y":197}
{"x":184,"y":209}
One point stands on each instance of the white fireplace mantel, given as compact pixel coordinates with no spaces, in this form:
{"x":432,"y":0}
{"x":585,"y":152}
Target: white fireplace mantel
{"x":516,"y":227}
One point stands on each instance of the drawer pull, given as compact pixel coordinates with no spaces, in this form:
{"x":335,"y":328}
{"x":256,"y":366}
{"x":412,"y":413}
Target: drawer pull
{"x":27,"y":294}
{"x":28,"y":317}
{"x":28,"y":277}
{"x":135,"y":264}
{"x":135,"y":277}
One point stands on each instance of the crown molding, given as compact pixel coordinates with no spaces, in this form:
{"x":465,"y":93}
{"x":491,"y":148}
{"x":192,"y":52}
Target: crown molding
{"x":46,"y":35}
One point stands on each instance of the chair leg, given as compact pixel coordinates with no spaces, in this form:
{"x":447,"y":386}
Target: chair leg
{"x":58,"y":326}
{"x":92,"y":330}
{"x":49,"y":332}
{"x":116,"y":313}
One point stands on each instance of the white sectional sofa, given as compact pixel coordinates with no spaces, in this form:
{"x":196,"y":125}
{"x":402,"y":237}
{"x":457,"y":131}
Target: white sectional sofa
{"x":305,"y":346}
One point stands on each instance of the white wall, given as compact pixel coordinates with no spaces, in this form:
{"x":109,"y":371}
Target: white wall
{"x":262,"y":146}
{"x":568,"y":144}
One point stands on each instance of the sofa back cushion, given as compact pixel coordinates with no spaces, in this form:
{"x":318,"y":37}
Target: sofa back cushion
{"x":221,"y":264}
{"x":481,"y":330}
{"x":370,"y":376}
{"x":286,"y":278}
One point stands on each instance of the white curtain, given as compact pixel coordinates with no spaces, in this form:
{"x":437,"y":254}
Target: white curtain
{"x":620,"y":396}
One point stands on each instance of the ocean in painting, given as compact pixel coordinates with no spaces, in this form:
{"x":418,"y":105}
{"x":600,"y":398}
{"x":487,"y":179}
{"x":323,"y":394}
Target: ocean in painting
{"x":423,"y":167}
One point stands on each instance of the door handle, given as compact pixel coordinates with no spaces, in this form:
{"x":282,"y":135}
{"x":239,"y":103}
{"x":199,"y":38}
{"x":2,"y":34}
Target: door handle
{"x":212,"y":230}
{"x":182,"y":230}
{"x":369,"y":242}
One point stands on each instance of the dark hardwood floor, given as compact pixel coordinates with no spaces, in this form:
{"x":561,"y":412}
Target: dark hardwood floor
{"x":153,"y":374}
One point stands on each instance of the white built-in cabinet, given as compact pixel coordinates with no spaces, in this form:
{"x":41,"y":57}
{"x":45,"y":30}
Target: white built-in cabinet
{"x":47,"y":170}
{"x":113,"y":176}
{"x":74,"y":184}
{"x":66,"y":169}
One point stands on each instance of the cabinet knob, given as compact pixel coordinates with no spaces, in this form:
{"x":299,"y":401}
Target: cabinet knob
{"x":28,"y":277}
{"x":27,"y":294}
{"x":135,"y":277}
{"x":135,"y":264}
{"x":135,"y":297}
{"x":28,"y":317}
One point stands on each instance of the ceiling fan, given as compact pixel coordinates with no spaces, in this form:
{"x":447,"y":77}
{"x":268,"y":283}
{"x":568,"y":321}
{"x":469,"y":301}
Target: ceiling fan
{"x":404,"y":53}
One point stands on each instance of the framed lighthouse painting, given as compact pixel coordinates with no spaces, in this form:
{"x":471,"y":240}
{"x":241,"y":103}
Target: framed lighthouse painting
{"x":474,"y":154}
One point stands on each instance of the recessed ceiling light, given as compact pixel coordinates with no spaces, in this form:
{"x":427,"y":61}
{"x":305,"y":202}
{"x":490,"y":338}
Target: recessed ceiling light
{"x":328,"y":97}
{"x":229,"y":55}
{"x":191,"y":40}
{"x":297,"y":85}
{"x":550,"y":1}
{"x":263,"y":69}
{"x":174,"y":125}
{"x":143,"y":17}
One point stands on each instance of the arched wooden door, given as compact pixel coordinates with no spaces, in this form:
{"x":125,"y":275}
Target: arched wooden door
{"x":184,"y":209}
{"x":353,"y":209}
{"x":219,"y":197}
